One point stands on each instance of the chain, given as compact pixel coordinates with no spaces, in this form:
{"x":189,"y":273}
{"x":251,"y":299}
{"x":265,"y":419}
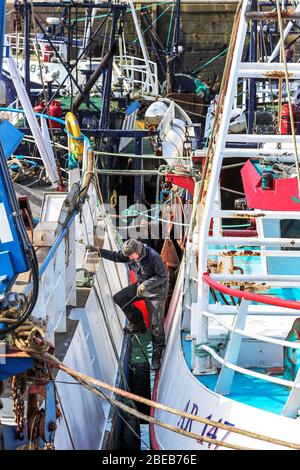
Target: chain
{"x":19,"y":388}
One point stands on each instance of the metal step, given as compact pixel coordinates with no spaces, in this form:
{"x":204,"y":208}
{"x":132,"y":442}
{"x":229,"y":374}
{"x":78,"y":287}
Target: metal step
{"x":256,"y":214}
{"x":277,"y":155}
{"x":262,"y":138}
{"x":267,"y":70}
{"x":249,"y":241}
{"x":272,"y":15}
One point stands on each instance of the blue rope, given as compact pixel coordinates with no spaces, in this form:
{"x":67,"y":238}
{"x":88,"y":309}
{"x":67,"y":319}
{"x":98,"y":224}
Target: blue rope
{"x":51,"y":118}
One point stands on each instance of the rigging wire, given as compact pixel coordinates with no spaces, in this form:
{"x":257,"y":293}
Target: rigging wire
{"x":170,"y":26}
{"x":153,"y":22}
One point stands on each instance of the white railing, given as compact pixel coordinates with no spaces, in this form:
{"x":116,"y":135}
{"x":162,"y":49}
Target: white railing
{"x":251,"y":373}
{"x":40,"y":46}
{"x":229,"y":362}
{"x":235,"y":214}
{"x":133,"y":68}
{"x":136,"y":72}
{"x":237,"y":331}
{"x":13,"y":117}
{"x":246,"y":334}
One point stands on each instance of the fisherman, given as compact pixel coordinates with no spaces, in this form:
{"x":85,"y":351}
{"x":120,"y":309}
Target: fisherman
{"x":152,"y":286}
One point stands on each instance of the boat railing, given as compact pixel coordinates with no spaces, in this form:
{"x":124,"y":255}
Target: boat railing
{"x":238,"y":331}
{"x":210,"y":280}
{"x":40,"y":46}
{"x":13,"y":117}
{"x":134,"y":68}
{"x":136,"y":72}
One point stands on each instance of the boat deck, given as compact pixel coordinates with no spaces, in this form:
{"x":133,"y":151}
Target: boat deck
{"x":268,"y":396}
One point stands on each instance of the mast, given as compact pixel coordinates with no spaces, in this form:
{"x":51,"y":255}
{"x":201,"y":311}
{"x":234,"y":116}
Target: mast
{"x":174,"y":48}
{"x":2,"y":29}
{"x":142,"y":44}
{"x":252,"y":58}
{"x":27,"y":14}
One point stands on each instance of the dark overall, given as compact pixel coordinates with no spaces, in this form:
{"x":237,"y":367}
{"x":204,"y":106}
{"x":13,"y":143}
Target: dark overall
{"x":152,"y":273}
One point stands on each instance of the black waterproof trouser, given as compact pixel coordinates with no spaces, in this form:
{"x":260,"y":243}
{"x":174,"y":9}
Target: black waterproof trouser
{"x":125,"y":299}
{"x":156,"y":308}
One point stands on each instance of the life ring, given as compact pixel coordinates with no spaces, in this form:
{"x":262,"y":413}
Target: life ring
{"x":75,"y":136}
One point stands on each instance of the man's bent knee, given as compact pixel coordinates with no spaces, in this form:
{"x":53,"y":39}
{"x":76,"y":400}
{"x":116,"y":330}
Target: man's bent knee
{"x":117,"y":298}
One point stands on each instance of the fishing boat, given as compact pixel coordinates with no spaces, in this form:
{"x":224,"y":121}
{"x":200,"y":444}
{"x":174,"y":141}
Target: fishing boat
{"x":233,"y":322}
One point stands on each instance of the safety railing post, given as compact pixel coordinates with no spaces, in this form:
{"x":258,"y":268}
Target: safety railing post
{"x":233,"y":350}
{"x":292,"y":405}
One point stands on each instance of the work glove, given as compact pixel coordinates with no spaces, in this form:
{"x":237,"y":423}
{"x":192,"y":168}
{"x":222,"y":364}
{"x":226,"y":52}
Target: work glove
{"x":141,"y":290}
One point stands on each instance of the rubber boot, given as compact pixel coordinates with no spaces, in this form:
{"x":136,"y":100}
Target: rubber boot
{"x":134,"y":328}
{"x":156,"y":360}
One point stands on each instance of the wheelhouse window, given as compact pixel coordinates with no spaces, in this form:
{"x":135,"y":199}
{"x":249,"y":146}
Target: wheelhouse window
{"x":290,"y":228}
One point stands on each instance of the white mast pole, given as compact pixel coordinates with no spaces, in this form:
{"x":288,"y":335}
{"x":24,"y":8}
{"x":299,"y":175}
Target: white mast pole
{"x":142,"y":44}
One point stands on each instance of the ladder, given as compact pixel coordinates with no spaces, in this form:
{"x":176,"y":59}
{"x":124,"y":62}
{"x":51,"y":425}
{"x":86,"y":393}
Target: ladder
{"x":208,"y":207}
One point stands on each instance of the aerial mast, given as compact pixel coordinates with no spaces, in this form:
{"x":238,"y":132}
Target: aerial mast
{"x":173,"y":56}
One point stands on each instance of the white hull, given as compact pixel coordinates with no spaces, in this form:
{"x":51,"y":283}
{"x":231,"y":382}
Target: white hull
{"x":179,"y":389}
{"x":86,"y":413}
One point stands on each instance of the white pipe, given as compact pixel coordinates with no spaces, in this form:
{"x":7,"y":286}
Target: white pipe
{"x":269,"y":253}
{"x":261,"y":138}
{"x":266,"y":284}
{"x":48,"y":159}
{"x":245,"y":333}
{"x":256,"y":213}
{"x":142,"y":44}
{"x":251,"y":373}
{"x":250,"y":241}
{"x":88,"y":28}
{"x":272,"y":155}
{"x":265,"y":70}
{"x":257,"y":310}
{"x":257,"y":277}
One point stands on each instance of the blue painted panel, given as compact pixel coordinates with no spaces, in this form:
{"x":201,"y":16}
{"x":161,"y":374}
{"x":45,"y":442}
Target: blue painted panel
{"x":6,"y":271}
{"x":133,"y":107}
{"x":2,"y":29}
{"x":14,"y":365}
{"x":10,"y":137}
{"x":9,"y":238}
{"x":10,"y":441}
{"x":50,"y":411}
